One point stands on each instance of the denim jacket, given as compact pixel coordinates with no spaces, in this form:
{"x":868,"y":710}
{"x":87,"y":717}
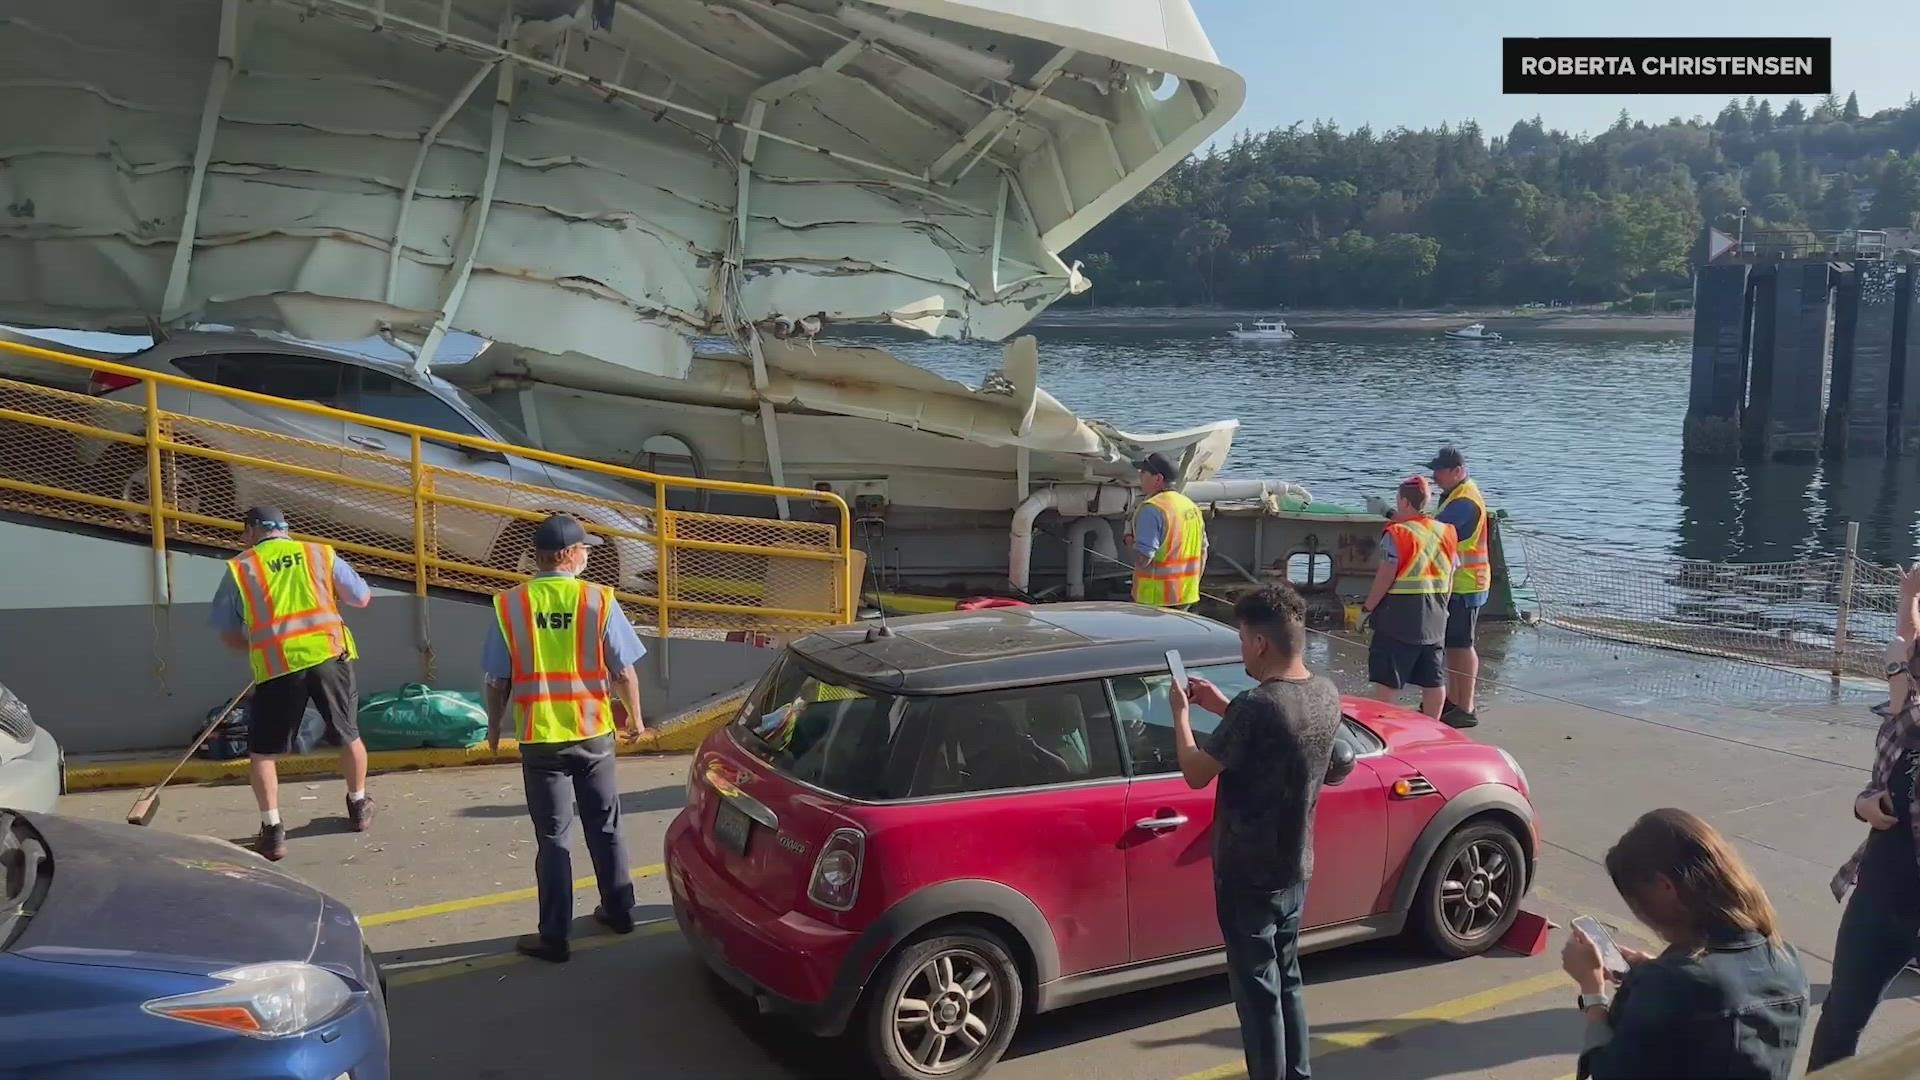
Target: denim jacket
{"x":1733,"y":1012}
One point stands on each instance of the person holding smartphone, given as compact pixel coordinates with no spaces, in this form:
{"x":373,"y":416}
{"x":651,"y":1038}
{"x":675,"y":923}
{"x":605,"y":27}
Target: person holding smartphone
{"x":1726,"y":1000}
{"x":1270,"y":755}
{"x":1880,"y":929}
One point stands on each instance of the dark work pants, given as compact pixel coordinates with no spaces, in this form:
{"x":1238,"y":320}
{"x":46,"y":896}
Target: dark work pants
{"x":1262,"y":933}
{"x":557,"y":776}
{"x":1875,"y":941}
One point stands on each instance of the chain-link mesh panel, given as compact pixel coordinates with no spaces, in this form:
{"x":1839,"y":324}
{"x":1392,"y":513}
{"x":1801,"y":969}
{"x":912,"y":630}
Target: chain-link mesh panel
{"x":719,"y":563}
{"x":55,"y":445}
{"x":1782,"y":613}
{"x":465,"y":515}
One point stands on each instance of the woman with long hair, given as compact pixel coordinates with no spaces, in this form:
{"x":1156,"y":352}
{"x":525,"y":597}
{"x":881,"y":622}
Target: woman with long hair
{"x":1725,"y":1000}
{"x":1880,"y":930}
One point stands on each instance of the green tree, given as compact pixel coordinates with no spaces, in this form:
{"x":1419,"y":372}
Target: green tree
{"x":1839,"y":207}
{"x":1827,"y":111}
{"x":1850,"y":112}
{"x":1763,"y":118}
{"x":1896,"y":198}
{"x":1794,"y":113}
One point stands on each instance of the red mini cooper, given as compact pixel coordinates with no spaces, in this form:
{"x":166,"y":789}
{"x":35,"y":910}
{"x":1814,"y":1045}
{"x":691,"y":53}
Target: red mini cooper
{"x":927,"y":831}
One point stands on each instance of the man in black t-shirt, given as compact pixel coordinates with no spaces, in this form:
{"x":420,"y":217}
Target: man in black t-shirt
{"x":1270,"y":754}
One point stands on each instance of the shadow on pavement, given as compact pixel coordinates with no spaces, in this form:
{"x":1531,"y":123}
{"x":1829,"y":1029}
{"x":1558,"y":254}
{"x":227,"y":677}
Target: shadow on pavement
{"x":1146,"y":1008}
{"x":636,"y":1006}
{"x":671,"y":797}
{"x":1439,"y":1048}
{"x":584,"y":928}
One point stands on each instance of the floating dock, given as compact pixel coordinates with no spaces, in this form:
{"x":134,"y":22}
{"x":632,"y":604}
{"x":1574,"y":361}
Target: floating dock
{"x":1804,"y":344}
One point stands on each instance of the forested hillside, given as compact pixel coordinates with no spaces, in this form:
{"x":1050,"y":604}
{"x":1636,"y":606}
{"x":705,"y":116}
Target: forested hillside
{"x":1317,"y":217}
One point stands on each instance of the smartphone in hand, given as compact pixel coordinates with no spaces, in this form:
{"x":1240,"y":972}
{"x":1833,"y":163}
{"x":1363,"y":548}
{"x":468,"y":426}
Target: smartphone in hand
{"x":1610,"y":956}
{"x":1178,"y":667}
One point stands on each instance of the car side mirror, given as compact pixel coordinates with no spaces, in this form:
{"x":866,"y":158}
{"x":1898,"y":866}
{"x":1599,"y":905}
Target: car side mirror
{"x":1340,"y":764}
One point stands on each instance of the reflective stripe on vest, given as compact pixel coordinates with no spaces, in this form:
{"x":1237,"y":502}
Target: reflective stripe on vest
{"x":292,"y":616}
{"x":1476,"y":565}
{"x":1426,"y":550}
{"x":554,"y":628}
{"x":1172,"y":577}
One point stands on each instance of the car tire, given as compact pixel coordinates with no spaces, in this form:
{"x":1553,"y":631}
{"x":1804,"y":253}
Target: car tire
{"x":206,"y":486}
{"x":972,"y":994}
{"x":1472,"y":889}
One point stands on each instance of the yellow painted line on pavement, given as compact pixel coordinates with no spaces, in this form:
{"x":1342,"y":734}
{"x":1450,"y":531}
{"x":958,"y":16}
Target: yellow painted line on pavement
{"x":1456,"y":1009}
{"x":413,"y":976}
{"x":448,"y":907}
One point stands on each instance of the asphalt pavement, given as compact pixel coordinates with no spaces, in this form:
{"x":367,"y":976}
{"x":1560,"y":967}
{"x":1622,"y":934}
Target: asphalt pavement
{"x":444,"y":882}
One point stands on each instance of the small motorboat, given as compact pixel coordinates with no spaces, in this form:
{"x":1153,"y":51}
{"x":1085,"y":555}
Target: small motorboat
{"x":1477,"y":332}
{"x":1263,"y":330}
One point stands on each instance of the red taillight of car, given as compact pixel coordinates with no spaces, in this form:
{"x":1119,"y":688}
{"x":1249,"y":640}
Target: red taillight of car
{"x":836,"y":873}
{"x":106,"y":383}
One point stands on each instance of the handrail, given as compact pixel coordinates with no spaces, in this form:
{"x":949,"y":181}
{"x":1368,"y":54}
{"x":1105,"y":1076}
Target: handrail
{"x":402,"y":428}
{"x":413,"y":482}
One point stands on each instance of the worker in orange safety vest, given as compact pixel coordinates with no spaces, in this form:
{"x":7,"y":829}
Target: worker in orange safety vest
{"x":1407,"y":605}
{"x":1167,"y":540}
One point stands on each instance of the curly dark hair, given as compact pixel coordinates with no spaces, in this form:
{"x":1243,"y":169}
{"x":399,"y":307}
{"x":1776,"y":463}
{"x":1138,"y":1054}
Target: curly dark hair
{"x":1276,"y":613}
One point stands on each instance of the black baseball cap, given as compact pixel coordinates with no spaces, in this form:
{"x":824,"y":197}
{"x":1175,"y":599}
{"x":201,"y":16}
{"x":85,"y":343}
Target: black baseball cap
{"x":1449,"y":457}
{"x":1159,"y":466}
{"x":560,"y":532}
{"x":265,"y":517}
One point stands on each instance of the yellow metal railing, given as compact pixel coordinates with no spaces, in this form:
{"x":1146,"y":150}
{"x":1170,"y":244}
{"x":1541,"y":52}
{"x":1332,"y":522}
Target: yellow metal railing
{"x":437,"y":508}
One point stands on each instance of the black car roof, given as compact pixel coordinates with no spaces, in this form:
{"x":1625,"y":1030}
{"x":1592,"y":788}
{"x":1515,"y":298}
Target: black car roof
{"x":961,"y":651}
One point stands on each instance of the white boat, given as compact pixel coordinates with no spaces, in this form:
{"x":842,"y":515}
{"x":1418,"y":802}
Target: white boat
{"x":1263,"y":330}
{"x":1476,"y":332}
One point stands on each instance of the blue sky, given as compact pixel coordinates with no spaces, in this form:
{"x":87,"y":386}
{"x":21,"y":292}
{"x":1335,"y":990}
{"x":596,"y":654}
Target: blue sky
{"x":1402,"y":63}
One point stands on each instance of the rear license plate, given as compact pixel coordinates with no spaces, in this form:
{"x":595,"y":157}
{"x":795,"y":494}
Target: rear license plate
{"x":732,"y":827}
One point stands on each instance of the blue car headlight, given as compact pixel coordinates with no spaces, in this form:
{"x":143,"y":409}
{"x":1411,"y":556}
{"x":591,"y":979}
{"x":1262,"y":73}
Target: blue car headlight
{"x":262,"y":1001}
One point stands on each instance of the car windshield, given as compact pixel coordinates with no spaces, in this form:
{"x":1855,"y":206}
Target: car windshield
{"x":829,"y":734}
{"x":492,"y":417}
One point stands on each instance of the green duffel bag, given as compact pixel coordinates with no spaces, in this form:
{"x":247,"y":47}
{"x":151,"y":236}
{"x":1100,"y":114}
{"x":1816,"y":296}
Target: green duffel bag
{"x":418,"y":715}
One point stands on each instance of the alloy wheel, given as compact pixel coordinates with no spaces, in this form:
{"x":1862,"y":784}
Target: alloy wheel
{"x":947,"y":1011}
{"x":1479,"y":888}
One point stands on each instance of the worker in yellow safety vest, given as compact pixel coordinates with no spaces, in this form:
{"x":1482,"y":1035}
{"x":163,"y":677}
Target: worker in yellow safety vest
{"x":1465,"y":509}
{"x":1407,"y":605}
{"x":280,"y":604}
{"x":1167,"y":539}
{"x":559,"y":654}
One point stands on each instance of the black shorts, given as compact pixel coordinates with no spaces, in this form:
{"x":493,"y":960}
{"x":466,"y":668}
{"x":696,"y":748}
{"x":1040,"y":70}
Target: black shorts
{"x":277,"y":706}
{"x":1393,"y":663}
{"x":1463,"y":623}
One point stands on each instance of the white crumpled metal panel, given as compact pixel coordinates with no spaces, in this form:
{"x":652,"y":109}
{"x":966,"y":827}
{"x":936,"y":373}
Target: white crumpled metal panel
{"x":613,"y":228}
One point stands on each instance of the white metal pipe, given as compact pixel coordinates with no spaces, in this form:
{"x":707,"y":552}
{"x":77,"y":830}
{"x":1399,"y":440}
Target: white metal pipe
{"x":1201,"y":491}
{"x":1020,"y":543}
{"x":1094,"y":531}
{"x":957,"y":57}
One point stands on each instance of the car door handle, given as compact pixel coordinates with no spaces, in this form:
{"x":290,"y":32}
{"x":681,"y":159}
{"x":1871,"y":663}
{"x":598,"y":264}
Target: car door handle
{"x":367,"y":441}
{"x":1161,"y":824}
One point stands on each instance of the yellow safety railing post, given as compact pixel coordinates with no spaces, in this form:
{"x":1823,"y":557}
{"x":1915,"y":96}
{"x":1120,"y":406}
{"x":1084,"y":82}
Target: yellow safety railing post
{"x":418,"y":469}
{"x":225,"y":454}
{"x":663,"y":559}
{"x":851,"y":587}
{"x":156,"y":497}
{"x":423,"y":637}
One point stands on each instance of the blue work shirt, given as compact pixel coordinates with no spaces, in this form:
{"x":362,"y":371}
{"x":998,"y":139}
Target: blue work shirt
{"x":1148,"y":527}
{"x":228,"y":616}
{"x":1464,"y":517}
{"x":620,"y":647}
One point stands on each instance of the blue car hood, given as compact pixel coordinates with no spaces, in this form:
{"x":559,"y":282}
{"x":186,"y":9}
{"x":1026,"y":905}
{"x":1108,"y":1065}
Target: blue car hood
{"x":123,"y":896}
